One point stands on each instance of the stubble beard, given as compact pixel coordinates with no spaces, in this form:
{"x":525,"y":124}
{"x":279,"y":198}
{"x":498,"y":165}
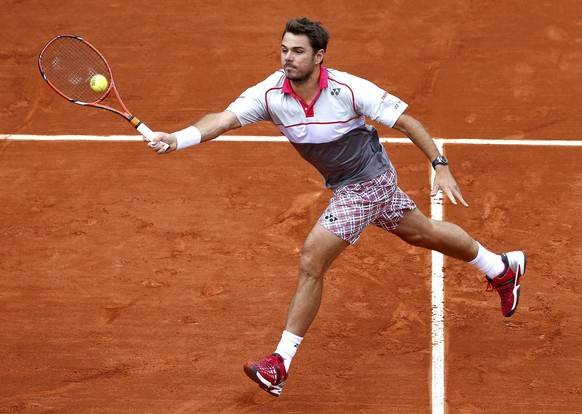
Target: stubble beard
{"x":298,"y":77}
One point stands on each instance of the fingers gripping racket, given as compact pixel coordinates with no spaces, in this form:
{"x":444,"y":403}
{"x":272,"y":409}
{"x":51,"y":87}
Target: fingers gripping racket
{"x":78,"y":72}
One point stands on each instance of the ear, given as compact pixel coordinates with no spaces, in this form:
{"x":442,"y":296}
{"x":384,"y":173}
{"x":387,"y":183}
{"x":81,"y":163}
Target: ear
{"x":319,"y":56}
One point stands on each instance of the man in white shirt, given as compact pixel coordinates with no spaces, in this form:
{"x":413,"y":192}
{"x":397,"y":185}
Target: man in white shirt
{"x":322,"y":112}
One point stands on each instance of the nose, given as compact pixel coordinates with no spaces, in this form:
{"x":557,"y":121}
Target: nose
{"x":288,"y":56}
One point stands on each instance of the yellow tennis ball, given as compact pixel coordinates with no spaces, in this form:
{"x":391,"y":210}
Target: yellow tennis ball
{"x":99,"y":83}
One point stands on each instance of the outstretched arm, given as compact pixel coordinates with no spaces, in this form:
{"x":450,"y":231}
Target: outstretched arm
{"x":209,"y":127}
{"x":443,"y":180}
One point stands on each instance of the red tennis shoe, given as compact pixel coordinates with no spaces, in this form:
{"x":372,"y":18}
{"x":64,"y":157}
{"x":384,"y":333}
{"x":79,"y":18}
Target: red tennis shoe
{"x":507,"y":283}
{"x":270,"y":373}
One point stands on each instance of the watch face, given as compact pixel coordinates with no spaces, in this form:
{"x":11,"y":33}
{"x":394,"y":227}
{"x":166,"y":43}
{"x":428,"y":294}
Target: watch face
{"x":440,"y":160}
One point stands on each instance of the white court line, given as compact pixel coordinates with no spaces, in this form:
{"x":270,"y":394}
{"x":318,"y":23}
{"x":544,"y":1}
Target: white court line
{"x":438,"y":308}
{"x":279,"y":138}
{"x":525,"y":142}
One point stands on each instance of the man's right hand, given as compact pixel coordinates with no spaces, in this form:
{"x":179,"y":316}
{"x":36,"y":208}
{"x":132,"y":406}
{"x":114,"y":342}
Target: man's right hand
{"x":161,"y":137}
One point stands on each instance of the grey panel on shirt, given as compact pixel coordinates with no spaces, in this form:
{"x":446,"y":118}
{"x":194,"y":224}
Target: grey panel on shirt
{"x":356,"y":157}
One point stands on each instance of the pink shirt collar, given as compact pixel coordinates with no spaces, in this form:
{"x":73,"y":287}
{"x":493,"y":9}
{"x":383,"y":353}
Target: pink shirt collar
{"x":323,"y":81}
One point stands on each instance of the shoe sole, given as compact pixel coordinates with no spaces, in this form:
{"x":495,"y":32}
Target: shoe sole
{"x":516,"y":288}
{"x":252,"y":373}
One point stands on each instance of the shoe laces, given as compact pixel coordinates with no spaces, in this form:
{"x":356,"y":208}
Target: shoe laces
{"x":503,"y":290}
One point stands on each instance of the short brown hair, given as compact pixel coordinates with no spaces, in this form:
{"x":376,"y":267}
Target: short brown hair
{"x":315,"y":32}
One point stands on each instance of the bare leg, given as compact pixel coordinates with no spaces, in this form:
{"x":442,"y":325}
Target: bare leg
{"x":322,"y":247}
{"x":447,"y":238}
{"x":319,"y":251}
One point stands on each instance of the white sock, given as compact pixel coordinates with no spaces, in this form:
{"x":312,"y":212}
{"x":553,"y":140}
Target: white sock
{"x":487,"y":262}
{"x":287,"y":347}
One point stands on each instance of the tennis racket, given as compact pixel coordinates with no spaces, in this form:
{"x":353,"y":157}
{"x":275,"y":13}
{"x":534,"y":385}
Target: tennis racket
{"x":68,"y":63}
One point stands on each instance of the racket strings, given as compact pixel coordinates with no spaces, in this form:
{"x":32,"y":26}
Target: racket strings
{"x":69,"y":63}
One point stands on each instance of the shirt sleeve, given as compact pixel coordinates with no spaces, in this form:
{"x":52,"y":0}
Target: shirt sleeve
{"x":250,"y":106}
{"x":375,"y":103}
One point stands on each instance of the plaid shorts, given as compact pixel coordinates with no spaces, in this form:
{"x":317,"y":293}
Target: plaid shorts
{"x":378,"y":201}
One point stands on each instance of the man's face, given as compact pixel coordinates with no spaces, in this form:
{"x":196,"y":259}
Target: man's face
{"x":298,"y":58}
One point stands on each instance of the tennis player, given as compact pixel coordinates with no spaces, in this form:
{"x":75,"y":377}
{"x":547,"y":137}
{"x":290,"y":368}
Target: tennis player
{"x":323,"y":113}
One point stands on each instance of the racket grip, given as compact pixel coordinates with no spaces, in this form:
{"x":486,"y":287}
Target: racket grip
{"x":148,"y":133}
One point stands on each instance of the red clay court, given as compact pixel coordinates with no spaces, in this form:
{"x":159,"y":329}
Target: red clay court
{"x":136,"y":283}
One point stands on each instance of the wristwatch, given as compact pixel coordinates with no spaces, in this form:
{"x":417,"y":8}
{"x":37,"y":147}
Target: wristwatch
{"x":440,"y":160}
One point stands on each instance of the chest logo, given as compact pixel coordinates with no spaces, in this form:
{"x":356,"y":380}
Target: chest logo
{"x":335,"y":91}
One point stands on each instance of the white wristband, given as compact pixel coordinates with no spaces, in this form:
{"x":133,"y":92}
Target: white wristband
{"x":187,"y":137}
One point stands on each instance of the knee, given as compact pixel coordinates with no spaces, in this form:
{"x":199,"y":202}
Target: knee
{"x":309,"y":268}
{"x":422,"y":236}
{"x":418,"y":240}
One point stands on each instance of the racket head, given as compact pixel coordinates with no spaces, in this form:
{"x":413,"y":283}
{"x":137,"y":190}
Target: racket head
{"x":68,"y":62}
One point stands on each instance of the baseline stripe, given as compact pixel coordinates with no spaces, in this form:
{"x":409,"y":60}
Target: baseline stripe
{"x":525,"y":142}
{"x":279,"y":138}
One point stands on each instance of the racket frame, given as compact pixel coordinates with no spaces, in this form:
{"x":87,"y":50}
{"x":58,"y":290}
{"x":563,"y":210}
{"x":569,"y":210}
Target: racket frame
{"x":124,"y":113}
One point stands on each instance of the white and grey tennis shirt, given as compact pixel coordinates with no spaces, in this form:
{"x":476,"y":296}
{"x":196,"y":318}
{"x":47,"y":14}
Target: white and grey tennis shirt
{"x":331,"y":132}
